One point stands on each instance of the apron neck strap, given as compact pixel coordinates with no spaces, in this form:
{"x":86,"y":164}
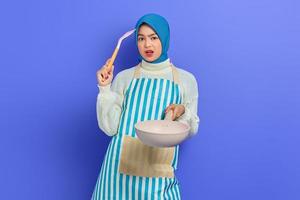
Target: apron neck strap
{"x":137,"y":73}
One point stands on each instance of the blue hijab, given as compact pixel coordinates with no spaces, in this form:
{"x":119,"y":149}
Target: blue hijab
{"x":160,"y":25}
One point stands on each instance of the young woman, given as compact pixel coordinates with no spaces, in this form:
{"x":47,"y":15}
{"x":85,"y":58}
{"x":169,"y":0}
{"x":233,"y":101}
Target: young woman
{"x":132,"y":170}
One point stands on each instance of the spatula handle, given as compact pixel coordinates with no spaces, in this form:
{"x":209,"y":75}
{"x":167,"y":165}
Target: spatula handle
{"x":112,"y":59}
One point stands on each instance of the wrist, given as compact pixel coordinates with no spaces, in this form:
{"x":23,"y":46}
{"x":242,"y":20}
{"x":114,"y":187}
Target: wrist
{"x":104,"y":88}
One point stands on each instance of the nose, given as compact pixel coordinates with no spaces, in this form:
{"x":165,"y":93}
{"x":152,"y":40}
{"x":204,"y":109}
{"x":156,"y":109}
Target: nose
{"x":147,"y":42}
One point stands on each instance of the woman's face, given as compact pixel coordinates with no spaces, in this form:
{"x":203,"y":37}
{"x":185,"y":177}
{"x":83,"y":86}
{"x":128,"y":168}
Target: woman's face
{"x":149,"y":44}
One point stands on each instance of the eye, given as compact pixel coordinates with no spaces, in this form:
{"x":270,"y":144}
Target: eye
{"x":140,"y":39}
{"x":154,"y":38}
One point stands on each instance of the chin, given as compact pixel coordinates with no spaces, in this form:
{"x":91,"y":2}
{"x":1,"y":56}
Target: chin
{"x":150,"y":60}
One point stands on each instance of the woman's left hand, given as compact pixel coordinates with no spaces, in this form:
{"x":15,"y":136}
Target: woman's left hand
{"x":178,"y":110}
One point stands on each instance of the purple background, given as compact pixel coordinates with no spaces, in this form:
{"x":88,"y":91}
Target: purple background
{"x":244,"y":54}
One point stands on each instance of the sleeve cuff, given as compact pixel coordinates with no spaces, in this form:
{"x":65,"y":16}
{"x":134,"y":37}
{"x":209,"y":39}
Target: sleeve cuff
{"x":103,"y":89}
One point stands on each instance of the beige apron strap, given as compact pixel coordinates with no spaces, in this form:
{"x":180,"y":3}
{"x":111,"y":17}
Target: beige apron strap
{"x":137,"y":72}
{"x":175,"y":75}
{"x":177,"y":80}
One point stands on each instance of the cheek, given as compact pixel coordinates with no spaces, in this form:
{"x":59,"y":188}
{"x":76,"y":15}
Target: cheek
{"x":159,"y":47}
{"x":140,"y":48}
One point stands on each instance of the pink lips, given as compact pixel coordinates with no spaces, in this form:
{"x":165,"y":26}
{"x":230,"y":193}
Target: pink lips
{"x":149,"y":53}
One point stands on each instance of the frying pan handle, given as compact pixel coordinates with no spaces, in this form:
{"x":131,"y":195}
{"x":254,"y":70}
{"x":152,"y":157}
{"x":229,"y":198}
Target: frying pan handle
{"x":169,"y":115}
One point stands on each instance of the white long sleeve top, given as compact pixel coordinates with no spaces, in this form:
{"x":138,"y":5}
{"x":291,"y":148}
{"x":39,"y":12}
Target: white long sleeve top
{"x":110,"y":97}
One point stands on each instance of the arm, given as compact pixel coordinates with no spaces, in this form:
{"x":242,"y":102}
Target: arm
{"x":190,"y":103}
{"x":109,"y":99}
{"x":109,"y":106}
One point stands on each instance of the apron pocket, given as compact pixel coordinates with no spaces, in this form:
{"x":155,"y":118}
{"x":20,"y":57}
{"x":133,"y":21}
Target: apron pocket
{"x":138,"y":159}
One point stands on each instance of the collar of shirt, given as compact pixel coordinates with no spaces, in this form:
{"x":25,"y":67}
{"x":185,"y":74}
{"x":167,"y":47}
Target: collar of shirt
{"x":156,"y":66}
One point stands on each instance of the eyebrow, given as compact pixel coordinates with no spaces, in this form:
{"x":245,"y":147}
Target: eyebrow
{"x":148,"y":35}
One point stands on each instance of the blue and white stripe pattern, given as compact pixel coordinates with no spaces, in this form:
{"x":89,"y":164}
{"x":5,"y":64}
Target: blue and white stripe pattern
{"x":145,"y":99}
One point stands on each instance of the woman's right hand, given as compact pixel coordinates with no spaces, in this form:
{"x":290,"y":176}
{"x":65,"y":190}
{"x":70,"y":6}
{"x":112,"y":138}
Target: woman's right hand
{"x":105,"y":75}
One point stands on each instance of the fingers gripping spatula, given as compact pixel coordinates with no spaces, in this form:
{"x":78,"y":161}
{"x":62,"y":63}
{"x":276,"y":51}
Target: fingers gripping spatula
{"x":114,"y":55}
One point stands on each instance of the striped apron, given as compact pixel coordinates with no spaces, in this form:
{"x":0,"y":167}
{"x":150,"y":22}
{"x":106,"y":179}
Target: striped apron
{"x":145,"y":99}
